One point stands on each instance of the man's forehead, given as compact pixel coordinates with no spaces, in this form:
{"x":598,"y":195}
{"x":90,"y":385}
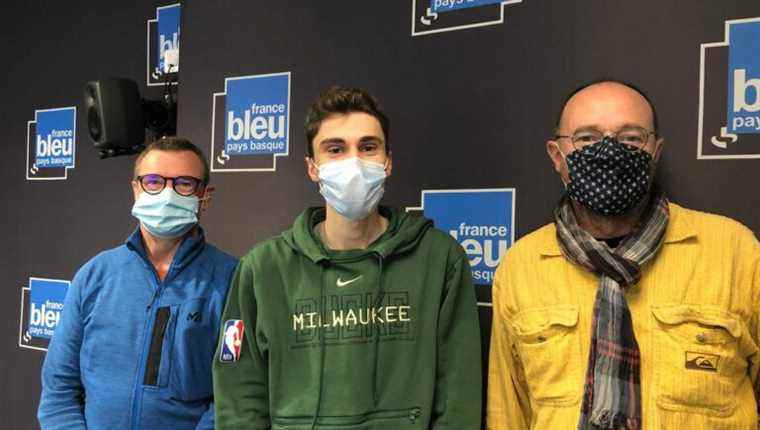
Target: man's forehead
{"x":185,"y":162}
{"x":352,"y":123}
{"x":607,"y":102}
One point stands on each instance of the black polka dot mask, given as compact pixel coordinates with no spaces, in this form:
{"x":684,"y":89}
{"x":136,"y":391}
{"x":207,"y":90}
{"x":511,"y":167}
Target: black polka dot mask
{"x":608,"y":177}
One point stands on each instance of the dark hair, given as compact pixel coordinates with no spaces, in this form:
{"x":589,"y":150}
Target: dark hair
{"x":174,"y":143}
{"x":337,"y":101}
{"x":612,"y":81}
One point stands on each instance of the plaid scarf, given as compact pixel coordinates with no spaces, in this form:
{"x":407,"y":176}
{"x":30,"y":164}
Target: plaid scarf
{"x":612,"y":393}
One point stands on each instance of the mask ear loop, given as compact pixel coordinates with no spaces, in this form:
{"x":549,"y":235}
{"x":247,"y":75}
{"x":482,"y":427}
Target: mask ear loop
{"x":314,"y":163}
{"x":203,"y":201}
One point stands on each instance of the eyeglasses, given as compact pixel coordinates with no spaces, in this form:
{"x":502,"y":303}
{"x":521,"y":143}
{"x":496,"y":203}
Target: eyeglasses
{"x":632,"y":138}
{"x":183,"y":185}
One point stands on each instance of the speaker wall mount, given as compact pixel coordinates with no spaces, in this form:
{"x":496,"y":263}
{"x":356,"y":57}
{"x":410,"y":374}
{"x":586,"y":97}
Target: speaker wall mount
{"x":117,"y":117}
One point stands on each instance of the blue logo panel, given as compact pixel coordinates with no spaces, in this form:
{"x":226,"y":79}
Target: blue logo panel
{"x":256,"y":116}
{"x":744,"y":78}
{"x":449,"y":5}
{"x":45,"y":305}
{"x":168,"y":31}
{"x":55,"y":138}
{"x":482,"y":221}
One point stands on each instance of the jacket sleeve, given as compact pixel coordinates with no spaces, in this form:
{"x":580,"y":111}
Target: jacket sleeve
{"x":241,"y":391}
{"x":207,"y":419}
{"x":458,"y":389}
{"x":62,"y":399}
{"x":508,"y":402}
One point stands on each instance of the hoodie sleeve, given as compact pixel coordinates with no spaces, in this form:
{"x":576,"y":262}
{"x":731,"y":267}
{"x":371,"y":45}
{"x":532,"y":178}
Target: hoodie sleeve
{"x":62,"y":399}
{"x":457,"y":403}
{"x":241,"y":391}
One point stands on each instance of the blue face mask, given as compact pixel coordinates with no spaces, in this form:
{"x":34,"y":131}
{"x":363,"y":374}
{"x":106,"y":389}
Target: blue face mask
{"x":353,"y":187}
{"x":167,"y":214}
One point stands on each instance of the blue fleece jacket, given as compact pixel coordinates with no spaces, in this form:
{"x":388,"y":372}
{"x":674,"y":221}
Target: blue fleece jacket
{"x":134,"y":352}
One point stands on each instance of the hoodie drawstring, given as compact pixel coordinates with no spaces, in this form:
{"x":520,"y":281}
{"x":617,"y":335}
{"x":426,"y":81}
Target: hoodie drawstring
{"x":322,"y":348}
{"x":376,"y":350}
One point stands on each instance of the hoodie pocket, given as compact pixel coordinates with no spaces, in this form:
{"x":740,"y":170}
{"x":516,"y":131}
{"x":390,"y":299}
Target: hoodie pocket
{"x":548,"y":347}
{"x":194,"y":342}
{"x":391,"y":419}
{"x":700,"y":365}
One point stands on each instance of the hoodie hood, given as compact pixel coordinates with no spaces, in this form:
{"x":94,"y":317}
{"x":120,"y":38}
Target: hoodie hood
{"x":404,"y":233}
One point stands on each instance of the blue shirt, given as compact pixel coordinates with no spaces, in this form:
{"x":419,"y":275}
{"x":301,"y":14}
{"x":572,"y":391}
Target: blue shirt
{"x":132,"y":351}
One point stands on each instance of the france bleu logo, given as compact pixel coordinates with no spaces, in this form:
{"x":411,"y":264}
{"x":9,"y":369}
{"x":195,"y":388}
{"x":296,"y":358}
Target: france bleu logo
{"x":250,"y":123}
{"x":438,"y":16}
{"x":41,"y":307}
{"x":51,"y":143}
{"x":163,"y":35}
{"x":481,"y":220}
{"x":729,"y":93}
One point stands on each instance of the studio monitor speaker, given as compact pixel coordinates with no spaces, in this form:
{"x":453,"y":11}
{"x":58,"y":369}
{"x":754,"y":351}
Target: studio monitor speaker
{"x":114,"y":113}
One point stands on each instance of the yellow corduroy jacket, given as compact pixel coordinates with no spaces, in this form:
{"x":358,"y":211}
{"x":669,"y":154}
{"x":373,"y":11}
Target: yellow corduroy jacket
{"x":695,"y":314}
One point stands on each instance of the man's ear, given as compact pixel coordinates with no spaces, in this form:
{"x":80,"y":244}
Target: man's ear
{"x":555,"y":155}
{"x":389,"y":166}
{"x":205,"y":198}
{"x":311,"y":169}
{"x":658,"y":144}
{"x":136,"y":189}
{"x":558,"y":159}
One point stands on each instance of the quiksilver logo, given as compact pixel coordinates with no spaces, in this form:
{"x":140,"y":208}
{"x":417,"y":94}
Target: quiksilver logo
{"x":701,"y":361}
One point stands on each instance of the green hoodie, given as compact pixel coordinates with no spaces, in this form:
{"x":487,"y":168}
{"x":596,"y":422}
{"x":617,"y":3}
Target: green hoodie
{"x":381,"y":338}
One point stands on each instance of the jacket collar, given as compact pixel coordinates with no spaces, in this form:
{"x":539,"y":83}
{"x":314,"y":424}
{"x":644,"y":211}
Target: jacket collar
{"x":679,"y":229}
{"x":192,"y":244}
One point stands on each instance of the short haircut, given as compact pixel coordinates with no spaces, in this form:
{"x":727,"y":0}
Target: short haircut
{"x":342,"y":101}
{"x":173,"y":143}
{"x":655,"y":123}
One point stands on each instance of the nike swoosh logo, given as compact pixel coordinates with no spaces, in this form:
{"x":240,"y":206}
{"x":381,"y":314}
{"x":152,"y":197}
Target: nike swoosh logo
{"x":341,"y":283}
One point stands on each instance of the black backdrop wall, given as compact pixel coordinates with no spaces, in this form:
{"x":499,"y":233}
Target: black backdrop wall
{"x":472,"y":97}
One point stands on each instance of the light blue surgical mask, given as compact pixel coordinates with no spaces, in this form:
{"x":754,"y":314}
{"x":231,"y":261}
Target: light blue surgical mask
{"x":167,"y":214}
{"x":353,"y":187}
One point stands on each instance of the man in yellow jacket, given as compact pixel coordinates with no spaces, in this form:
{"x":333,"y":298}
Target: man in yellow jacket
{"x":628,"y":311}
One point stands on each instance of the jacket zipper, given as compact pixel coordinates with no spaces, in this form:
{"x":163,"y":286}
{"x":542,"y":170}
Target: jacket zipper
{"x":411,"y":414}
{"x":151,"y":323}
{"x":153,"y":363}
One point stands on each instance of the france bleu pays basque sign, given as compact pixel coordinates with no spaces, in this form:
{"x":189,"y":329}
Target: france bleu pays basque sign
{"x":41,"y":307}
{"x":163,"y":34}
{"x":51,"y":143}
{"x":481,"y":220}
{"x":729,"y":93}
{"x":440,"y":16}
{"x":250,"y":123}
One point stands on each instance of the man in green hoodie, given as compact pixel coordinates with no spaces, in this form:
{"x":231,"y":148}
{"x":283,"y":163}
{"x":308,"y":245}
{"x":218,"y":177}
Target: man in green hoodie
{"x":359,"y":316}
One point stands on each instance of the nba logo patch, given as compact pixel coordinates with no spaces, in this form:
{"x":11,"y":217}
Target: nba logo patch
{"x":232,"y":341}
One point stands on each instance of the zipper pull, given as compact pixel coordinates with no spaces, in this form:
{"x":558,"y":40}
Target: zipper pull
{"x":152,"y":299}
{"x":414,"y":414}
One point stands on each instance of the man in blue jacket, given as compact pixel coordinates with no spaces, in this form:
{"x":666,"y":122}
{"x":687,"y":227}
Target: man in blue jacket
{"x":136,"y":339}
